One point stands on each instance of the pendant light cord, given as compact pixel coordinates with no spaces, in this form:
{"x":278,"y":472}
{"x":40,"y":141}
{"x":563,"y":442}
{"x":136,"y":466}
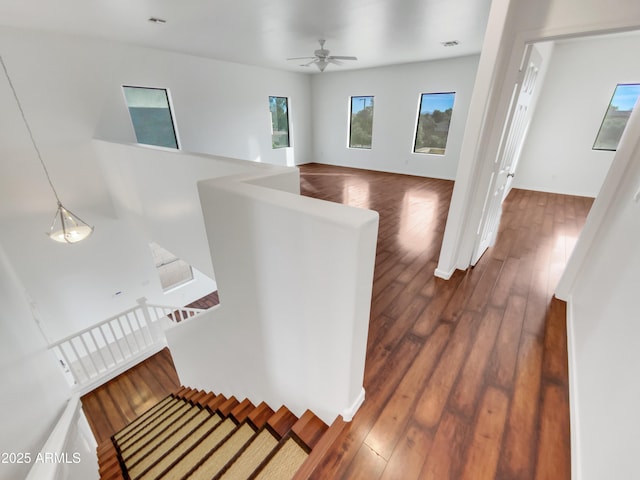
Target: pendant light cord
{"x":33,"y":141}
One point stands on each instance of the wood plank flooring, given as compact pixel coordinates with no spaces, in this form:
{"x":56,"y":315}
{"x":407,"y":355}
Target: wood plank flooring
{"x":465,"y":378}
{"x":114,"y":405}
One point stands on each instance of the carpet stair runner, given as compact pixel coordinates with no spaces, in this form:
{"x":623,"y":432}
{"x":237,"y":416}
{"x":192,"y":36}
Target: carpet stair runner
{"x":195,"y":435}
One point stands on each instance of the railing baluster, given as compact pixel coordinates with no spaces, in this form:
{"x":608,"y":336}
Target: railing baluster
{"x":79,"y":360}
{"x":116,"y":341}
{"x":114,"y":352}
{"x":95,"y":342}
{"x":108,"y":345}
{"x":125,"y":337}
{"x":144,"y":328}
{"x":133,"y":333}
{"x":92,"y":362}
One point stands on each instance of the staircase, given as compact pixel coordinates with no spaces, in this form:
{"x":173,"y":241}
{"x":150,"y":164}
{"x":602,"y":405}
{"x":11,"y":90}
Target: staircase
{"x":194,"y":435}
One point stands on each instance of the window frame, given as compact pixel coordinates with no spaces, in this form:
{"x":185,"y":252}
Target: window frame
{"x":349,"y":137}
{"x":288,"y":145}
{"x":606,"y":115}
{"x":174,"y":127}
{"x":417,"y":124}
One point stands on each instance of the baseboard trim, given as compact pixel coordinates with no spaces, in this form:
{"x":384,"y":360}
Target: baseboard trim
{"x":574,"y":424}
{"x":444,"y":274}
{"x":348,"y":414}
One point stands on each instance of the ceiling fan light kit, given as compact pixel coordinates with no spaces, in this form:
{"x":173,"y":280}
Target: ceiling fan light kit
{"x":321,"y":58}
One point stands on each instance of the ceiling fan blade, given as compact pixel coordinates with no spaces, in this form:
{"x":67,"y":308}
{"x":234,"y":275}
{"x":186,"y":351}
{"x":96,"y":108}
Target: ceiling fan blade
{"x":322,"y":58}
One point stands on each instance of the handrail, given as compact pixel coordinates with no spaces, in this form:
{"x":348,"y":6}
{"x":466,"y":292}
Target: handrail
{"x":165,"y":308}
{"x":61,"y":438}
{"x":94,"y":354}
{"x":88,"y":329}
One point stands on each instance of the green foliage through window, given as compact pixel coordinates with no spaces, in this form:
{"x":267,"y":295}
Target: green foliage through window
{"x":151,"y":116}
{"x":615,"y":120}
{"x":361,"y":124}
{"x":434,"y":119}
{"x":279,"y":107}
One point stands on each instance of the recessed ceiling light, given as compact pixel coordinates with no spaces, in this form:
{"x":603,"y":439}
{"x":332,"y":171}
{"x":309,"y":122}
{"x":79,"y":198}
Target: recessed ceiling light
{"x":157,"y":20}
{"x":450,"y":43}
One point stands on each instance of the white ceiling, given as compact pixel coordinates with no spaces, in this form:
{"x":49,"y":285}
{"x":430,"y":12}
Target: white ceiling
{"x":266,"y":32}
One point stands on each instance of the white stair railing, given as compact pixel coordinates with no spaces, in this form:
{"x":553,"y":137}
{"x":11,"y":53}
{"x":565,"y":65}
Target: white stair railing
{"x":97,"y":353}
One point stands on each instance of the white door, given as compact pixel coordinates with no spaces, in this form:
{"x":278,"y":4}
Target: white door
{"x":504,"y":168}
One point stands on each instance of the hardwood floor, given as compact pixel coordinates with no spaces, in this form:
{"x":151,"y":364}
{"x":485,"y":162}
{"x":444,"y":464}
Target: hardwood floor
{"x":118,"y":402}
{"x":465,"y":378}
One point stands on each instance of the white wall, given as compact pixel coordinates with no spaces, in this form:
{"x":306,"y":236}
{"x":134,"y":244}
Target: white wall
{"x":557,"y":156}
{"x":70,"y":89}
{"x":604,"y":329}
{"x":220,"y":108}
{"x":278,"y":257}
{"x":512,"y":23}
{"x":599,"y":450}
{"x":397,"y":92}
{"x":34,"y":391}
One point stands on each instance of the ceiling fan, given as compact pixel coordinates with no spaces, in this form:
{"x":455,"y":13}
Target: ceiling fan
{"x":321,"y":58}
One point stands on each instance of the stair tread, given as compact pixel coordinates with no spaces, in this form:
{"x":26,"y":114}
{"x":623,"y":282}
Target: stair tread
{"x":179,"y":466}
{"x":163,"y":442}
{"x":156,"y":428}
{"x":145,"y":416}
{"x":260,"y":415}
{"x":241,"y":411}
{"x":206,"y":399}
{"x":200,"y":434}
{"x":309,"y":429}
{"x":284,"y":463}
{"x":244,"y":465}
{"x":197,"y":397}
{"x":228,"y":405}
{"x":190,"y":394}
{"x":225,"y":452}
{"x":214,"y":403}
{"x":282,"y":421}
{"x":320,"y":449}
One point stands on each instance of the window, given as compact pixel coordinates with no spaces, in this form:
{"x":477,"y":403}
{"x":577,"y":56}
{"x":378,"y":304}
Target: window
{"x":172,"y":271}
{"x":615,"y":120}
{"x":151,"y":116}
{"x":279,"y":107}
{"x":361,"y":124}
{"x":434,"y":118}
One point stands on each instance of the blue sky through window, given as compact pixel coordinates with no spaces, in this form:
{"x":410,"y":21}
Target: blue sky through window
{"x":436,"y":101}
{"x":625,"y":97}
{"x":359,"y":103}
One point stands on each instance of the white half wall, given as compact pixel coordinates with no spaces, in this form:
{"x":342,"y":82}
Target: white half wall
{"x":397,"y":91}
{"x":557,"y":156}
{"x":294,"y":278}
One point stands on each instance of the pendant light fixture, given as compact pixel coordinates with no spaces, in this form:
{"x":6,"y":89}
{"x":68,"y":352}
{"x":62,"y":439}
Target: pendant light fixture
{"x":66,"y":226}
